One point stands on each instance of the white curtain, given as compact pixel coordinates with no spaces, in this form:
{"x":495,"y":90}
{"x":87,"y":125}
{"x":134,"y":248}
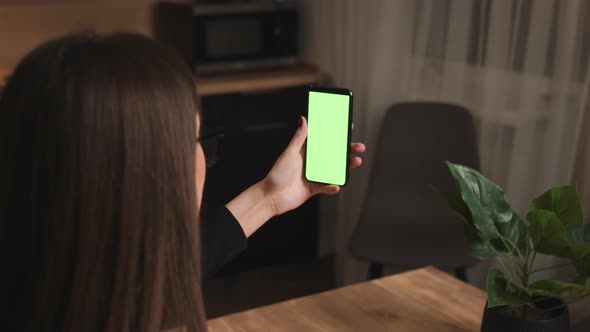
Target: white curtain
{"x":520,"y":66}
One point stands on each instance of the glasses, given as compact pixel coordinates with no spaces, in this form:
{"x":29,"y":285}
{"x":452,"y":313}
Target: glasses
{"x":210,"y":142}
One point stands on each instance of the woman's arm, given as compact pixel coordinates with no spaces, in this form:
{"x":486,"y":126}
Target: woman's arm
{"x":222,"y":239}
{"x":224,"y":231}
{"x":252,"y":208}
{"x":284,"y":188}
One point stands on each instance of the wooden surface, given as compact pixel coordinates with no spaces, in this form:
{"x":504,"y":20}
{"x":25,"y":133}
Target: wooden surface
{"x":3,"y":75}
{"x":24,"y":26}
{"x":420,"y":300}
{"x":257,"y":81}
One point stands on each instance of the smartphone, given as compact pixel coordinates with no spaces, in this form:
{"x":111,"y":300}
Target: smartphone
{"x":329,"y":119}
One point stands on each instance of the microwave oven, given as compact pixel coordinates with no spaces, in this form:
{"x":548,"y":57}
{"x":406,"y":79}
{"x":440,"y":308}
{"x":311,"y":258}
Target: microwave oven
{"x":244,"y":35}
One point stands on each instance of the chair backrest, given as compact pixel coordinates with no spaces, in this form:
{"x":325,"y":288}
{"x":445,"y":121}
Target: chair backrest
{"x":415,"y":140}
{"x":404,"y":221}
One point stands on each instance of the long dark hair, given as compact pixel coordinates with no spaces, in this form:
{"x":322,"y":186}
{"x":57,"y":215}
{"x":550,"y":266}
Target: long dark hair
{"x":98,"y":213}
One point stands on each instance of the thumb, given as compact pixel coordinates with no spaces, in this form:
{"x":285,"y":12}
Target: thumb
{"x":300,"y":135}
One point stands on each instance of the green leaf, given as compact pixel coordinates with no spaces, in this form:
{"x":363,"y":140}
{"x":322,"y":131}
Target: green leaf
{"x":581,"y":234}
{"x":579,"y":255}
{"x":502,"y":291}
{"x":564,"y":201}
{"x":548,"y":233}
{"x":456,"y":203}
{"x":515,"y":231}
{"x":563,"y":290}
{"x":550,"y":237}
{"x":490,"y":213}
{"x":486,"y":201}
{"x":478,"y":247}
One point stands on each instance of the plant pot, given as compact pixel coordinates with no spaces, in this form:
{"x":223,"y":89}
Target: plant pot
{"x":503,"y":320}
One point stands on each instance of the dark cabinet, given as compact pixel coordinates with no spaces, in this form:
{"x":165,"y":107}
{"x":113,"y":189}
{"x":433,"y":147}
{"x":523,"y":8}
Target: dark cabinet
{"x":258,"y":127}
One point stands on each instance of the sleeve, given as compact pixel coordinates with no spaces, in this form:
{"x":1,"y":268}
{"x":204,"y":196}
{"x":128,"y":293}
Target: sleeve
{"x":222,"y":238}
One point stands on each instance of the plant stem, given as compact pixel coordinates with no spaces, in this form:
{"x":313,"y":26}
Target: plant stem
{"x":533,"y":261}
{"x":504,"y":242}
{"x":504,"y":269}
{"x":515,"y":247}
{"x":530,"y":249}
{"x":525,"y":272}
{"x":526,"y":267}
{"x":511,"y":247}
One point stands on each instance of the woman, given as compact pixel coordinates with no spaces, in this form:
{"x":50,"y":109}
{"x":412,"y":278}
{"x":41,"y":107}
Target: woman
{"x":101,"y":184}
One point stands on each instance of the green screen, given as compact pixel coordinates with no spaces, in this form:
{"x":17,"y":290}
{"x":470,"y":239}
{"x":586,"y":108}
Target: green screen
{"x":327,"y":137}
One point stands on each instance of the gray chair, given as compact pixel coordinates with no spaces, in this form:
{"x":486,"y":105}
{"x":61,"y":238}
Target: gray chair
{"x":404,"y":222}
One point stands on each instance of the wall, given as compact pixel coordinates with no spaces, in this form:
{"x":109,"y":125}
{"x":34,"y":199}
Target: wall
{"x":27,"y":23}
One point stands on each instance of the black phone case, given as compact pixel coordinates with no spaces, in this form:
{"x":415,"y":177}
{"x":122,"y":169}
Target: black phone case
{"x":340,"y":91}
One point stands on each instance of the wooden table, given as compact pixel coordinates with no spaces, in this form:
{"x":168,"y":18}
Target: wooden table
{"x":421,"y":300}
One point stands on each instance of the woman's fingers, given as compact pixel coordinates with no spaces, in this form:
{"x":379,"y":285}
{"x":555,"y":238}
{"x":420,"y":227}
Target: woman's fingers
{"x":317,"y":188}
{"x":356,"y":162}
{"x":357,"y":148}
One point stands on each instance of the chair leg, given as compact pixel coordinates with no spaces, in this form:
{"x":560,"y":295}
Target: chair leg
{"x":461,"y":274}
{"x":375,"y":270}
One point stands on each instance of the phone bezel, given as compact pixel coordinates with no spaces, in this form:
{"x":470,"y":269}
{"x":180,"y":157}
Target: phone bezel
{"x":339,"y":91}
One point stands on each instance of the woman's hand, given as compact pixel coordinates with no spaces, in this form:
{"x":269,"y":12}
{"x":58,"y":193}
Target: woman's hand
{"x":286,"y":186}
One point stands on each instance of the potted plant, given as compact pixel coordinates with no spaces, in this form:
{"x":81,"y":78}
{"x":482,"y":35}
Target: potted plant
{"x":518,"y":300}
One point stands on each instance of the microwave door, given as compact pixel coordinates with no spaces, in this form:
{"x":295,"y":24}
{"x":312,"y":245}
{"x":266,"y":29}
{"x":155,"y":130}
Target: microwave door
{"x":234,"y":42}
{"x":233,"y":38}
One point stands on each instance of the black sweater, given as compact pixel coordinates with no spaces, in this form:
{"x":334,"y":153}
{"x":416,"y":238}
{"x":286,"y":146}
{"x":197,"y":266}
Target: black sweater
{"x":222,"y":238}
